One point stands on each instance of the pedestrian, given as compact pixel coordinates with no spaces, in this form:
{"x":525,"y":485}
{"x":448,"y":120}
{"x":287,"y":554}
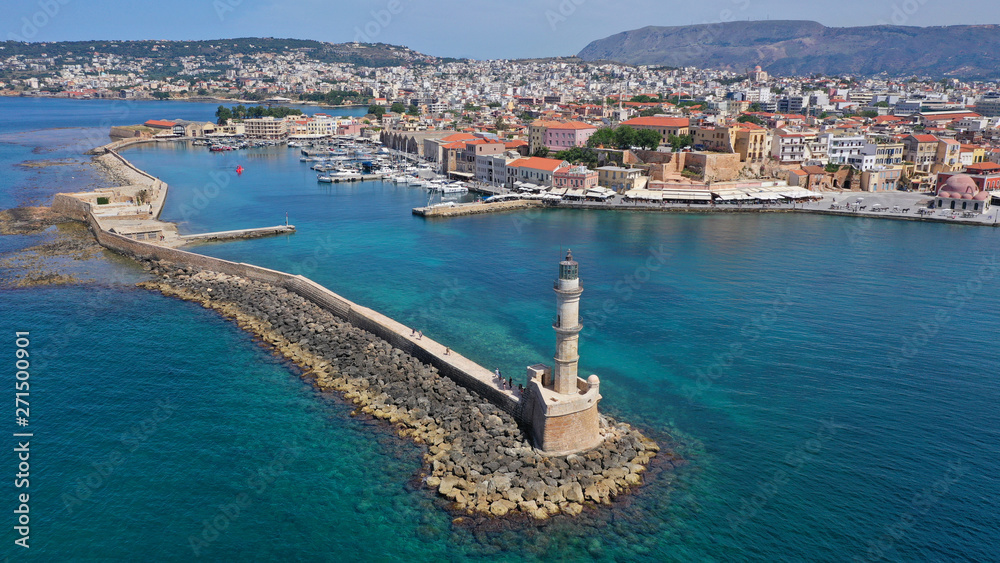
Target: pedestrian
{"x":496,"y":373}
{"x":420,"y":334}
{"x":413,"y":332}
{"x":447,"y":350}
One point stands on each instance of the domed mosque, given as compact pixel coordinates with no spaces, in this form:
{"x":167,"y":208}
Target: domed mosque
{"x":961,"y":192}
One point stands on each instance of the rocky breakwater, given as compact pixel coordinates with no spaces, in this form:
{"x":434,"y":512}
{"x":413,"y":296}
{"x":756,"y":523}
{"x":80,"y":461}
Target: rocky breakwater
{"x":477,"y":455}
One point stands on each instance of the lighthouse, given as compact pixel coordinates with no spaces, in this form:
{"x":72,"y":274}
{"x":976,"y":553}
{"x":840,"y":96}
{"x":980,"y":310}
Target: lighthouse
{"x":561,"y":406}
{"x":567,"y":325}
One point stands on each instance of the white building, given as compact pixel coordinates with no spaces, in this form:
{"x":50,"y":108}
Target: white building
{"x":841,"y":147}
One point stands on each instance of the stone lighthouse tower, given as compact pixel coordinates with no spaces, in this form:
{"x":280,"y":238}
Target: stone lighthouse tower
{"x":562,"y":407}
{"x":567,"y":325}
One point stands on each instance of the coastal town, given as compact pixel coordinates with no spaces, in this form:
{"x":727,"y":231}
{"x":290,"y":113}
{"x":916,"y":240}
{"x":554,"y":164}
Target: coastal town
{"x":593,"y":132}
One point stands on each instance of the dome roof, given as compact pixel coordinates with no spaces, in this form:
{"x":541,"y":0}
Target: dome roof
{"x":960,"y":184}
{"x":981,"y":196}
{"x":967,"y":196}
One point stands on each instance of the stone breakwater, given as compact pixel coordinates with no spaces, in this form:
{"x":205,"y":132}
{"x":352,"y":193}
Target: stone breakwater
{"x":478,"y":457}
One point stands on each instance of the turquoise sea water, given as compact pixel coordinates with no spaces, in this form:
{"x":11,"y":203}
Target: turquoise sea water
{"x":833,"y":382}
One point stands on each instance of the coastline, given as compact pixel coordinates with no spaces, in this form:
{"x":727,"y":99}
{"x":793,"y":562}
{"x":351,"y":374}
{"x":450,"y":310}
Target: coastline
{"x":198,"y":99}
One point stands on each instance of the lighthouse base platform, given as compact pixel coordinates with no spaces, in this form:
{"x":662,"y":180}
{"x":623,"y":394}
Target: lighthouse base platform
{"x":562,"y":424}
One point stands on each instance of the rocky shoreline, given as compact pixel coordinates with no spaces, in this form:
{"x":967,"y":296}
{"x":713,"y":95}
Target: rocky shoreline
{"x":477,"y":456}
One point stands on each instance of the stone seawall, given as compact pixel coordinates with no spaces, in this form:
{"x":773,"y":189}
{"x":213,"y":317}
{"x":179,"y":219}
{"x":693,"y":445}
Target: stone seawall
{"x":476,"y":208}
{"x":427,"y":350}
{"x":479,"y":456}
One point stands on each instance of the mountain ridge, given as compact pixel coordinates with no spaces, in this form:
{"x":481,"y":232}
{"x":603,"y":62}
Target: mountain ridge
{"x":802,"y":47}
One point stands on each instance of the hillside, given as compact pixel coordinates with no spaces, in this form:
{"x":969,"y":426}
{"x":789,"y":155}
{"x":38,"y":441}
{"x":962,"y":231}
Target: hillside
{"x":362,"y":54}
{"x":803,"y":47}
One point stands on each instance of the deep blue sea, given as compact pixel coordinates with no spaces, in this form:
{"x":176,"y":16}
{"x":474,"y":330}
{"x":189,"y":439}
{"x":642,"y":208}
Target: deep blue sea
{"x":832,"y":382}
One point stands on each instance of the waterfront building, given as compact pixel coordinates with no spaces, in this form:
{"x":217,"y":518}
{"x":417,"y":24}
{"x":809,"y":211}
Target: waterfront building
{"x":575,"y":177}
{"x":618,"y":178}
{"x":265,"y":128}
{"x":752,"y":142}
{"x":921,"y":150}
{"x":789,"y":148}
{"x":665,"y":126}
{"x":533,"y":170}
{"x":562,"y":136}
{"x":948,"y":157}
{"x":965,"y":192}
{"x":839,"y":148}
{"x":881,"y":179}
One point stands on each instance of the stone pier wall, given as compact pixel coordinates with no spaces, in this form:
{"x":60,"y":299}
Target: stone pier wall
{"x":460,"y":369}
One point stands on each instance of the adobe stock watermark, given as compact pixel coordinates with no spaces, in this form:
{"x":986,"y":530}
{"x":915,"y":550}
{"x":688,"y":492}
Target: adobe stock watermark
{"x":381,"y":19}
{"x":955,"y":301}
{"x":625,"y":290}
{"x":566,"y":8}
{"x":712,"y":30}
{"x":435,"y":309}
{"x":201,"y":197}
{"x":31,"y":25}
{"x":902,"y":11}
{"x":223,"y":7}
{"x":137,"y":435}
{"x":920,"y":504}
{"x":795,"y":460}
{"x":751,"y":332}
{"x":256,"y":484}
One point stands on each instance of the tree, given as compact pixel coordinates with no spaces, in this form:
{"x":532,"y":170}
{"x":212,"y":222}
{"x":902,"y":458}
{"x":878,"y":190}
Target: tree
{"x":602,"y":137}
{"x":413,"y":110}
{"x":747,"y":118}
{"x":582,"y":155}
{"x":222,"y":115}
{"x":625,"y":137}
{"x":541,"y":151}
{"x":649,"y":112}
{"x":678,"y":142}
{"x":500,"y":124}
{"x":647,"y":139}
{"x":755,"y":107}
{"x":376,"y":110}
{"x":160,"y":95}
{"x":397,"y":107}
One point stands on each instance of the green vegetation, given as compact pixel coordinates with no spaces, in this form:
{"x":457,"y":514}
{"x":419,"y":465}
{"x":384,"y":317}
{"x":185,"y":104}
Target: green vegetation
{"x":103,"y":201}
{"x":241,"y":112}
{"x":678,"y":142}
{"x":218,"y":51}
{"x":397,"y":107}
{"x":644,"y":99}
{"x":541,"y":151}
{"x":579,"y":155}
{"x":747,"y":118}
{"x":376,"y":110}
{"x":624,"y":137}
{"x":161,"y":95}
{"x":333,"y":97}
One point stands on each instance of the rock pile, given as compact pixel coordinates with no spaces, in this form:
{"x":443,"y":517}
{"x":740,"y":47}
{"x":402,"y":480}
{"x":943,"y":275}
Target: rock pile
{"x":477,"y":455}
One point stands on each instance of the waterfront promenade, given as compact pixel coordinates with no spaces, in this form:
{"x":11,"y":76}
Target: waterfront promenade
{"x":906,"y":206}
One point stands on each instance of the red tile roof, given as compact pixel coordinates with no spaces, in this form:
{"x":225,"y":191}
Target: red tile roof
{"x":538,"y":163}
{"x":159,"y":123}
{"x":658,"y":122}
{"x":572,"y":125}
{"x":983,"y":167}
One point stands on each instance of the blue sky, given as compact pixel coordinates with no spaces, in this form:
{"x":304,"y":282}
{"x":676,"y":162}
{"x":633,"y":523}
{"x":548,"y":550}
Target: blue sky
{"x":471,"y":28}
